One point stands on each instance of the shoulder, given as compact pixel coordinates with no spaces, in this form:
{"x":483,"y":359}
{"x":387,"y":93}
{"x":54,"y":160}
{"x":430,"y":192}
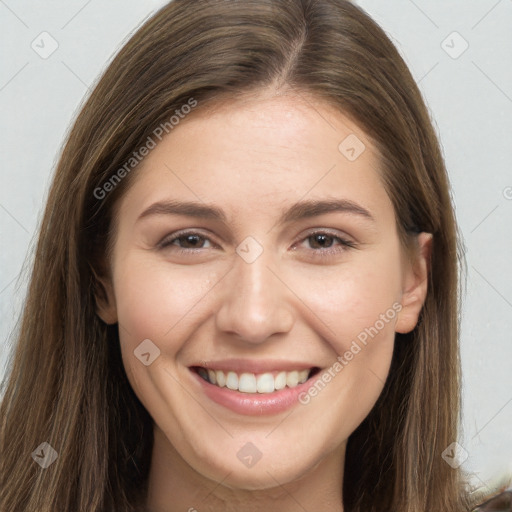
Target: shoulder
{"x":499,"y":503}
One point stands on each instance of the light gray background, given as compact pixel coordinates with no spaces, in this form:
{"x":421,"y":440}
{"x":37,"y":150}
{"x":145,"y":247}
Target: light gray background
{"x":470,"y":98}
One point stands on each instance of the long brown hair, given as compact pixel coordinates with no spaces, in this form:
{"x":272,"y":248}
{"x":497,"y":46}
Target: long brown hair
{"x":67,"y":385}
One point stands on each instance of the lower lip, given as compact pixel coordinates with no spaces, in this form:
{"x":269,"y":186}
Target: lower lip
{"x":254,"y":404}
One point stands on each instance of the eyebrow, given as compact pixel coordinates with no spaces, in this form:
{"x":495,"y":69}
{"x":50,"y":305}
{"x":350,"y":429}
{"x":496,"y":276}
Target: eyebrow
{"x":298,"y":211}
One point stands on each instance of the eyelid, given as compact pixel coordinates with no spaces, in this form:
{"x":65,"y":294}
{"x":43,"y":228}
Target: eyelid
{"x":346,"y":242}
{"x":167,"y":240}
{"x":328,"y":231}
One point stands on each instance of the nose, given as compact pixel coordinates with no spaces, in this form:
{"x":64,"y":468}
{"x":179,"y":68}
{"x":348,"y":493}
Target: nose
{"x":254,"y":303}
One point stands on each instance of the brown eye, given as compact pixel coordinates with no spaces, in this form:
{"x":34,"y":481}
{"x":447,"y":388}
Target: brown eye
{"x":325,"y":240}
{"x":190,"y":241}
{"x":325,"y":244}
{"x":185,"y":241}
{"x":321,"y":240}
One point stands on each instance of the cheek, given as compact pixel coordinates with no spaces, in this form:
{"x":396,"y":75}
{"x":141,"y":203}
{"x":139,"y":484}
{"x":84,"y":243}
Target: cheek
{"x":359,"y":304}
{"x":157,"y":300}
{"x":355,"y":298}
{"x":361,"y":319}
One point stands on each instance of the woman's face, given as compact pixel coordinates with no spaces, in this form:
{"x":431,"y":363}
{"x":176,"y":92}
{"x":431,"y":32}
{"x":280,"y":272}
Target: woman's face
{"x":254,"y":245}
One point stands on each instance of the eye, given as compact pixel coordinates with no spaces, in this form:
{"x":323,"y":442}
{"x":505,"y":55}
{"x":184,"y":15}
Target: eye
{"x":322,"y":243}
{"x":325,"y":243}
{"x":187,"y":241}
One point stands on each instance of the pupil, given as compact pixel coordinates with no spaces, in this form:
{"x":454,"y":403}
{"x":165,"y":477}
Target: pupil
{"x":193,"y":239}
{"x":322,"y":239}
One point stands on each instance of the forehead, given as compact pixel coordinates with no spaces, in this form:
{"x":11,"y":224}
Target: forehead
{"x":257,"y":153}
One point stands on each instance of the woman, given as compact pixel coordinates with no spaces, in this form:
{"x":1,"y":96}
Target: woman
{"x":245,"y":289}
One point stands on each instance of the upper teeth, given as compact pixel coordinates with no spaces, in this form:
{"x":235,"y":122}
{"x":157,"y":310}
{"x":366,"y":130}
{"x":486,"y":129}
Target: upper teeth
{"x":251,"y":383}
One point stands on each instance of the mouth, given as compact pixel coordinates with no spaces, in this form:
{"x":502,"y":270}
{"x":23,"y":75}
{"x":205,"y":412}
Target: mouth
{"x":262,"y":383}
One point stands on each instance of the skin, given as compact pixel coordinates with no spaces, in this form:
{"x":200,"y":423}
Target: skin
{"x":254,"y":158}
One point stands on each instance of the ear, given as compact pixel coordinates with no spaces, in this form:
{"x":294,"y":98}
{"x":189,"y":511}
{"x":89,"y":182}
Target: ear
{"x":106,"y":307}
{"x":415,"y":281}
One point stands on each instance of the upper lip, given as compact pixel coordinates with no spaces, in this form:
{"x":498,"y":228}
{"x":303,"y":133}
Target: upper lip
{"x":254,"y":366}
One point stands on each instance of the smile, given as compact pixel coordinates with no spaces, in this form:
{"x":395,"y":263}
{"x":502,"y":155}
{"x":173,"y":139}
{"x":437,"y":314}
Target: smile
{"x":247,"y":382}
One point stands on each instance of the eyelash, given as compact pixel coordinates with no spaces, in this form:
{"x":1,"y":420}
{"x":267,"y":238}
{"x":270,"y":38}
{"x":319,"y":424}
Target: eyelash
{"x":344,"y":243}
